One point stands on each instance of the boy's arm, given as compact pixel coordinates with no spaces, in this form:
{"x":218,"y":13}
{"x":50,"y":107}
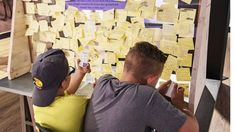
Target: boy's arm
{"x":177,"y":99}
{"x":76,"y":78}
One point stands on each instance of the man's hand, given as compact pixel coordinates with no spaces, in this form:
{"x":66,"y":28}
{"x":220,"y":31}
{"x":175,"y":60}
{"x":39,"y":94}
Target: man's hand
{"x":177,"y":97}
{"x":164,"y":87}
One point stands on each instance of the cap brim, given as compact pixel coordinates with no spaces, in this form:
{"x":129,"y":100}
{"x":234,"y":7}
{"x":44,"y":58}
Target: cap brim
{"x":44,"y":97}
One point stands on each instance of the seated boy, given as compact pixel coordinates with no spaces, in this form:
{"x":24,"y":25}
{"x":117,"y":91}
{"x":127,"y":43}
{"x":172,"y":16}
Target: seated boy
{"x":55,"y":106}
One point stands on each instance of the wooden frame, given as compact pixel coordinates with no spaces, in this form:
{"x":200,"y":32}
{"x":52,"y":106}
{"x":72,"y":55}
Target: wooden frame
{"x":20,"y":58}
{"x":19,"y":61}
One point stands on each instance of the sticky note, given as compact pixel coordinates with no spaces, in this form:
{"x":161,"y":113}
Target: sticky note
{"x":47,"y":1}
{"x":120,"y":15}
{"x":107,"y":68}
{"x":64,"y":43}
{"x":84,"y":57}
{"x":108,"y":15}
{"x":43,"y":9}
{"x":185,"y":29}
{"x":43,"y":25}
{"x":183,"y":74}
{"x":29,"y":32}
{"x":171,"y":63}
{"x":185,"y":61}
{"x":166,"y":74}
{"x":30,"y":8}
{"x":137,"y":22}
{"x":110,"y":58}
{"x":187,"y":1}
{"x":187,"y":14}
{"x":67,"y":30}
{"x":186,"y":42}
{"x":47,"y":36}
{"x":40,"y":47}
{"x":168,"y":47}
{"x":167,"y":13}
{"x":34,"y":26}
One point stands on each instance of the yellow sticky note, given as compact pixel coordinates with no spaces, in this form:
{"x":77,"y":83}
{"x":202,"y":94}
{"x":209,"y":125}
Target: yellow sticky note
{"x":78,"y":32}
{"x":167,"y":13}
{"x":184,"y":29}
{"x":29,"y":32}
{"x":108,"y":15}
{"x":187,"y":1}
{"x":137,"y":22}
{"x":41,"y":47}
{"x":34,"y":26}
{"x":73,"y":44}
{"x":168,"y":47}
{"x":47,"y":1}
{"x":43,"y":25}
{"x":67,"y":30}
{"x":148,"y":13}
{"x":157,"y":36}
{"x":64,"y":43}
{"x":43,"y":9}
{"x":116,"y":34}
{"x":146,"y":34}
{"x":120,"y":15}
{"x":30,"y":8}
{"x":107,"y":68}
{"x":166,"y":74}
{"x":168,"y":30}
{"x":171,"y":63}
{"x":59,"y":22}
{"x":185,"y":61}
{"x":28,"y":19}
{"x":47,"y":36}
{"x":60,"y":5}
{"x":110,"y":58}
{"x":187,"y":14}
{"x":183,"y":74}
{"x":186,"y":42}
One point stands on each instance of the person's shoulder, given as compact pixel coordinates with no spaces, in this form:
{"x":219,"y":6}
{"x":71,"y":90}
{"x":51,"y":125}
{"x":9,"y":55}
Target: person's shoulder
{"x":105,"y":78}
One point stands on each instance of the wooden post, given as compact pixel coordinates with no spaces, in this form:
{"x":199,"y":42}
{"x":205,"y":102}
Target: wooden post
{"x":19,"y":61}
{"x":200,"y":55}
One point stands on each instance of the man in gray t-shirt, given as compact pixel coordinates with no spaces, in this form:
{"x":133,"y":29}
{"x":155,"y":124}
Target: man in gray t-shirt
{"x":132,"y":104}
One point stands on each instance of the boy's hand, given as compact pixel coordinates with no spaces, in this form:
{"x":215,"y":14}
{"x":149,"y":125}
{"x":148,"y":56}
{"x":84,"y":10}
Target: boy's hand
{"x":164,"y":87}
{"x":177,"y":97}
{"x":83,"y":70}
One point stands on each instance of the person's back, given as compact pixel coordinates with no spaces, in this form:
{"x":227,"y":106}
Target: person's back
{"x":55,"y":106}
{"x":123,"y":107}
{"x":132,"y":104}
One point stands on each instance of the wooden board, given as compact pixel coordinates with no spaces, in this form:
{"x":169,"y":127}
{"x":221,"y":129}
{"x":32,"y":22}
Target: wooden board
{"x":200,"y":55}
{"x":19,"y":61}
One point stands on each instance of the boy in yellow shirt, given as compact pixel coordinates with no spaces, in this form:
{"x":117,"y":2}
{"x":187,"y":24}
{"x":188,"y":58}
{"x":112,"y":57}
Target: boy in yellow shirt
{"x":54,"y":103}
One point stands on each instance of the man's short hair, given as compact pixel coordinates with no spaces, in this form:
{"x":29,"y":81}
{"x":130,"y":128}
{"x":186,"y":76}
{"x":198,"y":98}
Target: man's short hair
{"x":144,"y":59}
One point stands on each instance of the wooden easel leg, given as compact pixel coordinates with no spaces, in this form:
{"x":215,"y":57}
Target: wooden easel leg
{"x":30,"y":103}
{"x":22,"y":111}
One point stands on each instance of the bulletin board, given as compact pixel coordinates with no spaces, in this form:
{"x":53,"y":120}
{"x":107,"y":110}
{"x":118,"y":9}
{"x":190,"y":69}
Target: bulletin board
{"x":107,"y":29}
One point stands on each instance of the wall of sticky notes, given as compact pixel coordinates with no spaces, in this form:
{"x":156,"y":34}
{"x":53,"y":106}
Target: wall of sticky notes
{"x":107,"y":35}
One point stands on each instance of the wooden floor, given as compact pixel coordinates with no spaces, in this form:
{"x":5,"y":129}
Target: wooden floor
{"x":10,"y":120}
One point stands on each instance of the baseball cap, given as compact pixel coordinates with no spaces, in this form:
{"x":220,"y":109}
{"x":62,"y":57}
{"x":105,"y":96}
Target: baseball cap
{"x":48,"y":71}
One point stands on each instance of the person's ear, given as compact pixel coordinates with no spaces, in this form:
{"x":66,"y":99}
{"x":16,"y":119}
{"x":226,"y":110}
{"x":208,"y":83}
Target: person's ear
{"x":152,"y":80}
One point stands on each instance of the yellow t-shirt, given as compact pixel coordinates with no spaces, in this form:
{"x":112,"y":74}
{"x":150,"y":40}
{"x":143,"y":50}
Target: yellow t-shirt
{"x":65,"y":114}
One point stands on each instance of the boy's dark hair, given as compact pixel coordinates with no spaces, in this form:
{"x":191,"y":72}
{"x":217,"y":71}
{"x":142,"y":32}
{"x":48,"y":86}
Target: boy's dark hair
{"x":144,"y":59}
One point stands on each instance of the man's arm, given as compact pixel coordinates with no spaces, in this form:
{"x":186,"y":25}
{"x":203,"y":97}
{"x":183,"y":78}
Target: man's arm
{"x":76,"y":78}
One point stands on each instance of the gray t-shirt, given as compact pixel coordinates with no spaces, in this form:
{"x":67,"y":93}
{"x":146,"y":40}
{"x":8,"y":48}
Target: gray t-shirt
{"x":121,"y":107}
